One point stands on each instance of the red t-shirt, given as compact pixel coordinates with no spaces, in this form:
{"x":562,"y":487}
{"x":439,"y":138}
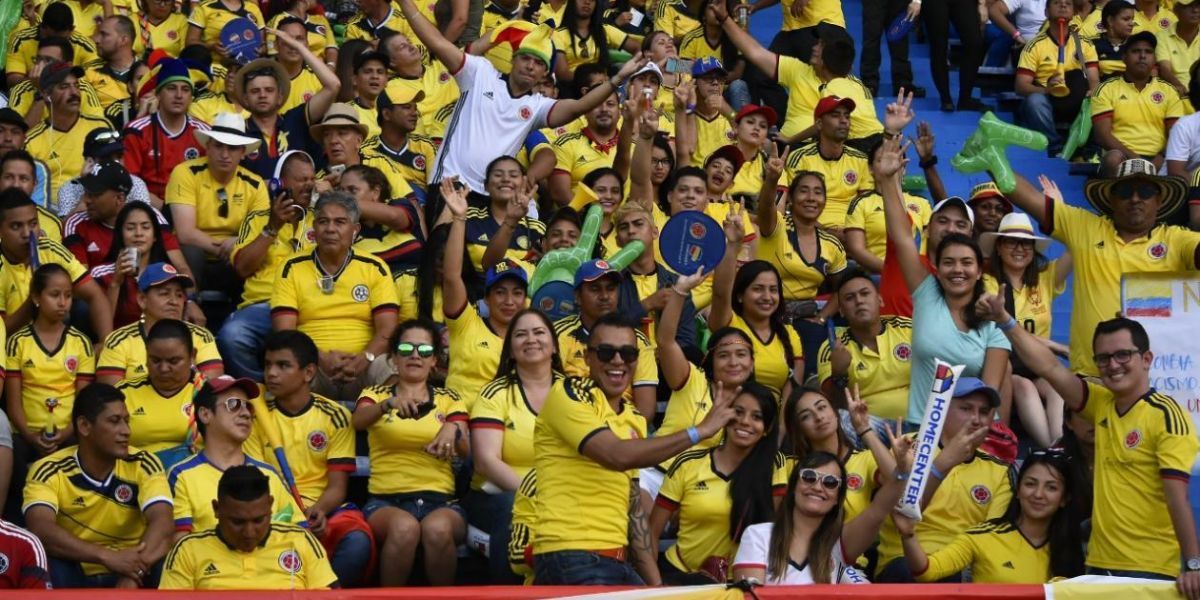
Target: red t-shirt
{"x":127,"y":309}
{"x":897,"y":301}
{"x":23,"y":563}
{"x":151,"y":152}
{"x":90,"y":241}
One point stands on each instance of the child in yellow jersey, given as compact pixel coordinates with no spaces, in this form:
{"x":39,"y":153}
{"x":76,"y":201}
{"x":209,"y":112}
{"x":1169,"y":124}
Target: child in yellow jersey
{"x":46,"y":362}
{"x":1038,"y":538}
{"x":413,"y":430}
{"x":719,"y":492}
{"x":1028,"y":283}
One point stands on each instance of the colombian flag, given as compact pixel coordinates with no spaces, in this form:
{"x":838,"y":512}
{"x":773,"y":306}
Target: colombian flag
{"x":1148,"y":298}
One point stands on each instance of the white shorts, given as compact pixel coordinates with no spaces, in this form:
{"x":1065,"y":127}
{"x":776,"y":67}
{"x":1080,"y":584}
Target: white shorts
{"x":651,"y":481}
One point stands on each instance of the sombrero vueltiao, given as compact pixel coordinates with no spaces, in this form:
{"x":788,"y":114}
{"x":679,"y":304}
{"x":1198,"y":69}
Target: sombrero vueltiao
{"x":1172,"y":190}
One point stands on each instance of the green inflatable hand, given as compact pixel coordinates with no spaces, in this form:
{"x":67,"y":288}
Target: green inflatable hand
{"x":553,"y":284}
{"x":984,"y":151}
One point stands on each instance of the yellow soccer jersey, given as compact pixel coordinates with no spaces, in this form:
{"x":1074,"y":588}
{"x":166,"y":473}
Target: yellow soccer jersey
{"x":207,"y":105}
{"x":581,"y":51}
{"x":524,"y":522}
{"x":571,"y":484}
{"x":1139,"y":117}
{"x":411,"y":164}
{"x":107,"y":513}
{"x":408,"y":292}
{"x":474,"y":353}
{"x":1163,"y":21}
{"x":304,"y":85}
{"x":212,"y":15}
{"x":320,"y":34}
{"x":803,"y":87}
{"x":366,"y":116}
{"x":87,"y":18}
{"x":814,"y":13}
{"x":124,"y":352}
{"x":15,"y":278}
{"x":863,"y":120}
{"x":482,"y":226}
{"x":674,"y":18}
{"x":1135,"y":451}
{"x":1040,"y":57}
{"x":802,"y":278}
{"x":502,"y":406}
{"x":695,"y":46}
{"x":48,"y":375}
{"x":317,"y":440}
{"x":972,"y":492}
{"x":578,"y":154}
{"x":995,"y":551}
{"x":866,"y":213}
{"x":194,"y":485}
{"x":290,"y":558}
{"x":881,"y":376}
{"x":24,"y":94}
{"x":399,"y":462}
{"x":291,"y":238}
{"x":749,"y":179}
{"x":49,"y":225}
{"x":1033,"y":302}
{"x":846,"y":176}
{"x":361,"y":28}
{"x":861,"y":485}
{"x":1101,"y":258}
{"x":157,"y":422}
{"x":192,"y":184}
{"x":170,"y":36}
{"x":572,"y":346}
{"x":700,"y":494}
{"x":441,"y":95}
{"x":60,"y":150}
{"x":23,"y":44}
{"x":344,"y":318}
{"x":111,"y":86}
{"x":1179,"y":53}
{"x":687,"y":408}
{"x":711,"y":134}
{"x":771,"y":367}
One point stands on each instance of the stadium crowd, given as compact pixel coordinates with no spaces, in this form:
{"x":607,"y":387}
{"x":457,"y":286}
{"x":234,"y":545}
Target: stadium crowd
{"x":268,"y":270}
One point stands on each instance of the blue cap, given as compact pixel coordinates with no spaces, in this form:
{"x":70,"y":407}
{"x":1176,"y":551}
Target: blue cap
{"x":160,"y":273}
{"x":593,"y":270}
{"x":973,"y":385}
{"x":706,"y":65}
{"x":505,"y":269}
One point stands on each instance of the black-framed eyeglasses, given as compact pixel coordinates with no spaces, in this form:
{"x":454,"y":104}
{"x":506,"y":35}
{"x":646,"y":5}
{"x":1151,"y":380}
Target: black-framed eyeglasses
{"x":812,"y":476}
{"x":1124,"y":190}
{"x":407,"y":349}
{"x":235,"y":405}
{"x":223,"y":206}
{"x":1120,"y":357}
{"x":660,"y":162}
{"x":606,"y":352}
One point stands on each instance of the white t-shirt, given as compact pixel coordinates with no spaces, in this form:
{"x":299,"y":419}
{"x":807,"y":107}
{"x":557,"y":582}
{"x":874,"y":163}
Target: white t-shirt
{"x":1184,"y":143}
{"x":487,"y":123}
{"x":1027,"y":16}
{"x":754,"y":553}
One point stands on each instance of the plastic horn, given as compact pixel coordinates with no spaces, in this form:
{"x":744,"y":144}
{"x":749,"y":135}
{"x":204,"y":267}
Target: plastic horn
{"x":984,"y":150}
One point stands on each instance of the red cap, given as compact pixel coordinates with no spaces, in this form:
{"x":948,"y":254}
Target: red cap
{"x":828,"y":103}
{"x":754,"y":109}
{"x":729,"y":153}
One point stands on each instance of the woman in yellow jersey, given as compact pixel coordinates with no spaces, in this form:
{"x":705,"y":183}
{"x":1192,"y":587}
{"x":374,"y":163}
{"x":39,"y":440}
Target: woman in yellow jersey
{"x":583,"y":37}
{"x":414,"y":430}
{"x":160,"y":405}
{"x":47,"y":361}
{"x":502,"y":421}
{"x":1029,"y":283}
{"x":1118,"y":19}
{"x":397,"y":241}
{"x":751,"y":300}
{"x":208,"y":17}
{"x":1039,"y":538}
{"x":610,"y":190}
{"x":807,"y":541}
{"x":718,"y":492}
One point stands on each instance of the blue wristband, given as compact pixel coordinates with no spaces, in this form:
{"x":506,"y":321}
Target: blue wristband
{"x":694,"y":435}
{"x":933,"y":470}
{"x":1007,"y":325}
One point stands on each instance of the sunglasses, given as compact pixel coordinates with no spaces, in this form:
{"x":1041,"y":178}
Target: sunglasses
{"x":606,"y":352}
{"x":812,"y":476}
{"x":1120,"y":357}
{"x":108,"y":137}
{"x":407,"y":349}
{"x":223,"y":207}
{"x":1127,"y":189}
{"x":235,"y":405}
{"x":1051,"y":453}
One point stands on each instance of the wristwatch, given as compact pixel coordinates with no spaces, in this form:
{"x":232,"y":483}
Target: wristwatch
{"x":1192,"y":564}
{"x":900,"y":475}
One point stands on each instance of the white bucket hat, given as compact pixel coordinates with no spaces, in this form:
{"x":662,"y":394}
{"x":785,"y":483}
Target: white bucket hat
{"x":1013,"y":225}
{"x":228,"y":129}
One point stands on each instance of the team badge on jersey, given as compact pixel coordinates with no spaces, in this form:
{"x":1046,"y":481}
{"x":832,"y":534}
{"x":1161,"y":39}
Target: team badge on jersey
{"x":123,"y":493}
{"x":360,"y":293}
{"x":525,"y":113}
{"x":902,"y":351}
{"x":1157,"y":251}
{"x":172,"y":35}
{"x":317,"y":441}
{"x":72,"y":363}
{"x":1133,"y":439}
{"x":191,"y":153}
{"x":419,"y":162}
{"x":4,"y":562}
{"x":1156,"y":97}
{"x":854,"y":482}
{"x":186,"y":409}
{"x":1164,"y":24}
{"x":289,"y":560}
{"x":444,"y":77}
{"x":850,"y":177}
{"x":981,"y":494}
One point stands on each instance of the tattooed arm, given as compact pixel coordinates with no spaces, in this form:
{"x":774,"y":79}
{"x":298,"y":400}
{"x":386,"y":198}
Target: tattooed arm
{"x":642,"y":555}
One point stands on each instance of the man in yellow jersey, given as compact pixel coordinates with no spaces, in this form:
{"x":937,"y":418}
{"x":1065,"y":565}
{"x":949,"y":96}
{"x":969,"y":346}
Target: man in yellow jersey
{"x":19,"y":223}
{"x":246,"y":550}
{"x":318,"y":441}
{"x":102,"y":508}
{"x":304,"y":83}
{"x":162,"y":294}
{"x":872,"y":354}
{"x":369,"y":76}
{"x":966,"y":485}
{"x":404,"y":156}
{"x":1132,"y":115}
{"x":591,"y":442}
{"x":593,"y":147}
{"x":26,"y":97}
{"x":1179,"y":47}
{"x":597,"y":293}
{"x":846,"y":170}
{"x":1142,"y":519}
{"x":58,"y":139}
{"x":57,"y":22}
{"x":225,"y":419}
{"x":440,"y":88}
{"x":645,"y":285}
{"x":713,"y":128}
{"x":210,"y":196}
{"x":113,"y":71}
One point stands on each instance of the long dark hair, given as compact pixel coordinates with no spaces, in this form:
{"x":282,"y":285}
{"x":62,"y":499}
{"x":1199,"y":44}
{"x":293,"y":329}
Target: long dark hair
{"x":1029,"y":277}
{"x":595,"y":29}
{"x":779,"y":329}
{"x":508,"y":364}
{"x":820,"y":548}
{"x":158,"y":252}
{"x":662,"y":143}
{"x":800,"y":445}
{"x":1065,"y":532}
{"x":972,"y":320}
{"x":715,"y":340}
{"x":750,"y":482}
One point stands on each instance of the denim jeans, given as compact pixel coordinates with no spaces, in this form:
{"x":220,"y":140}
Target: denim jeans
{"x":738,"y":94}
{"x":493,"y":513}
{"x":241,"y":340}
{"x":350,"y":558}
{"x":579,"y":567}
{"x":67,"y":574}
{"x":999,"y":46}
{"x":1037,"y":113}
{"x":1129,"y":574}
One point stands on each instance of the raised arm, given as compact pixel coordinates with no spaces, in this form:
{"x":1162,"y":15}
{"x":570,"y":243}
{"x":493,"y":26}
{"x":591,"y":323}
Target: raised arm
{"x":928,"y":157}
{"x":767,"y":215}
{"x":758,"y":56}
{"x":440,"y":47}
{"x":565,"y":111}
{"x":888,"y":170}
{"x":685,"y":124}
{"x":330,"y":84}
{"x":641,"y":167}
{"x":721,"y":310}
{"x":454,"y":290}
{"x":671,"y":360}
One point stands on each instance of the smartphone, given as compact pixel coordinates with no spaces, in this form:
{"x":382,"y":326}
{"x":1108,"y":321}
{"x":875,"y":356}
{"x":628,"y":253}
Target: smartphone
{"x":336,"y":169}
{"x":679,"y":65}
